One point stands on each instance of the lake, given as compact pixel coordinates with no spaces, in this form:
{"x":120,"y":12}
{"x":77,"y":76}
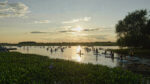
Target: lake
{"x":81,"y":54}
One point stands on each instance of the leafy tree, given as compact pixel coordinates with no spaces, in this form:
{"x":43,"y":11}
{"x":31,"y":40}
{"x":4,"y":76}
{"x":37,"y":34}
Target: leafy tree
{"x":134,"y":30}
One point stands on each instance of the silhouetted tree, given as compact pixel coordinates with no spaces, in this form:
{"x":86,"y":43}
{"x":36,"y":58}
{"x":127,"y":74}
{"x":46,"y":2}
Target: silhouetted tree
{"x":134,"y":30}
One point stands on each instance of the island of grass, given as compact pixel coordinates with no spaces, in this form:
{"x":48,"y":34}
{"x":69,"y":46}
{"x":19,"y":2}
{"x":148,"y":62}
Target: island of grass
{"x":17,"y":68}
{"x":133,"y":51}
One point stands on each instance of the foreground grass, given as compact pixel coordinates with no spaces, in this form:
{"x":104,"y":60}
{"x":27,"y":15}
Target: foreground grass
{"x":16,"y":68}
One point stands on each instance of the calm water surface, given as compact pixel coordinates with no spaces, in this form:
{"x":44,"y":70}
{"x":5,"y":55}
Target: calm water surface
{"x":82,"y":54}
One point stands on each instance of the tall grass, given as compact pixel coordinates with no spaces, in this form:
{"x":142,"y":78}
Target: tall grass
{"x":17,"y":68}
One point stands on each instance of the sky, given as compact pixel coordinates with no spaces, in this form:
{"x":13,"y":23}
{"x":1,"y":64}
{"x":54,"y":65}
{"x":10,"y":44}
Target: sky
{"x":63,"y":20}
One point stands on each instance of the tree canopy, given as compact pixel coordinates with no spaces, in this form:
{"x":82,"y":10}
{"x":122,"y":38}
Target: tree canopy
{"x":134,"y":30}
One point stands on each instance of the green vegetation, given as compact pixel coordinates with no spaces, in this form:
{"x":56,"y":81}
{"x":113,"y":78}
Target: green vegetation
{"x":135,"y":51}
{"x":17,"y":68}
{"x":62,"y":44}
{"x":134,"y":30}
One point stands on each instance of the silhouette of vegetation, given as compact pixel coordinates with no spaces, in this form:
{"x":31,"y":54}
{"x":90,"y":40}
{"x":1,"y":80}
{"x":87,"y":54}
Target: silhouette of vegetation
{"x":30,"y":43}
{"x":27,"y":43}
{"x":134,"y":30}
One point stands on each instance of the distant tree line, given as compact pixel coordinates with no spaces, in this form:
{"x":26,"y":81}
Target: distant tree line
{"x":32,"y":43}
{"x":27,"y":42}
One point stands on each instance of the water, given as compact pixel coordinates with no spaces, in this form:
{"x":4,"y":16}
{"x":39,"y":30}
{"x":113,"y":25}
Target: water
{"x":82,"y":54}
{"x":86,"y":54}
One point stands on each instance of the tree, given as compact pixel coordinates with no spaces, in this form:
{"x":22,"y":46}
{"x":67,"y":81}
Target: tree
{"x":134,"y":30}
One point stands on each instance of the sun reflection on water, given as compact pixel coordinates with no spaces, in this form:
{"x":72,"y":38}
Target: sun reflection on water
{"x":79,"y":58}
{"x":78,"y":49}
{"x":77,"y":54}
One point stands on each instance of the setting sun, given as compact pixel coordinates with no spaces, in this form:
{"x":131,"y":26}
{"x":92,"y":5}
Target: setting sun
{"x":78,"y":29}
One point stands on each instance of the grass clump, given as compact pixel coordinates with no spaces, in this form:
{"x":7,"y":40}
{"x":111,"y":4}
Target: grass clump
{"x":135,"y":51}
{"x":17,"y":68}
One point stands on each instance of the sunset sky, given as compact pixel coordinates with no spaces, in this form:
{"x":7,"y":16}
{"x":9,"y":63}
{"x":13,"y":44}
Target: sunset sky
{"x":63,"y":20}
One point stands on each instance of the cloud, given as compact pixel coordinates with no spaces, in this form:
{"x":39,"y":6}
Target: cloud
{"x":43,"y":32}
{"x":86,"y":30}
{"x":101,"y":37}
{"x":38,"y":32}
{"x":108,"y":29}
{"x":13,"y":9}
{"x":64,"y":31}
{"x":94,"y":29}
{"x":85,"y":19}
{"x":41,"y":21}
